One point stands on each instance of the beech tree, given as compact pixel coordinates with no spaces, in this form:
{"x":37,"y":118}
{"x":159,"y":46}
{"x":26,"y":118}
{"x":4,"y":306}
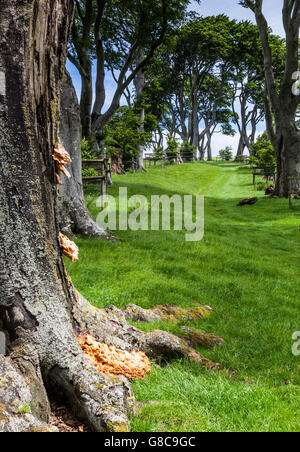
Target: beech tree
{"x":40,"y":311}
{"x":248,"y":82}
{"x":122,"y":36}
{"x":36,"y":294}
{"x":74,"y":216}
{"x":281,"y":100}
{"x":203,"y":49}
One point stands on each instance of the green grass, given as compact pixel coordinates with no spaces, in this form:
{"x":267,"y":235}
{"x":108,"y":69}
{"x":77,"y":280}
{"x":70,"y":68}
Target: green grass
{"x":246,"y":268}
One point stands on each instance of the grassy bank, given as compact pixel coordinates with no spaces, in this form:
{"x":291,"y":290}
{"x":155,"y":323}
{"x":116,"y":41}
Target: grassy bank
{"x":246,"y":268}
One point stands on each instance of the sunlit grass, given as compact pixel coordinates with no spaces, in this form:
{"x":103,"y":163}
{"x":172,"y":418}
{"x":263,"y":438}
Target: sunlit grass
{"x":246,"y":268}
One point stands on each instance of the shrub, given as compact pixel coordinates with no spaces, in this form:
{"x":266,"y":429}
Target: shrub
{"x":87,"y":150}
{"x":262,"y":186}
{"x":263,"y":154}
{"x":89,"y":172}
{"x":158,"y":152}
{"x":187,"y":147}
{"x":226,"y":153}
{"x":173,"y":146}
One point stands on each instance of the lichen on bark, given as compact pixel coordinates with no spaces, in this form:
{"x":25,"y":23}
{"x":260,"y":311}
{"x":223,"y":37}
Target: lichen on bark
{"x":39,"y":308}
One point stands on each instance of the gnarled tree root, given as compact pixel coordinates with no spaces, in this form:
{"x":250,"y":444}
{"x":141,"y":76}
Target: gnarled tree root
{"x":110,"y":326}
{"x":24,"y":405}
{"x":105,"y":402}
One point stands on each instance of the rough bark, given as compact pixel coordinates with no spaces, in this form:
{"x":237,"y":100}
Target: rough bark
{"x":283,"y":102}
{"x":139,"y":83}
{"x":117,"y":166}
{"x":110,"y":326}
{"x":23,"y":401}
{"x":40,"y":312}
{"x":36,"y":295}
{"x":73,"y":214}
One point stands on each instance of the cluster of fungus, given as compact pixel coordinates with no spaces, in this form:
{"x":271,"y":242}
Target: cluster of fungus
{"x":112,"y":361}
{"x":69,"y":248}
{"x":108,"y":360}
{"x":61,"y":158}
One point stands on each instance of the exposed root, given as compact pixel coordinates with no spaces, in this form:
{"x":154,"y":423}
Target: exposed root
{"x":110,"y":360}
{"x":172,"y":314}
{"x":109,"y":326}
{"x":105,"y":402}
{"x":19,"y":399}
{"x":69,"y":248}
{"x":196,"y":337}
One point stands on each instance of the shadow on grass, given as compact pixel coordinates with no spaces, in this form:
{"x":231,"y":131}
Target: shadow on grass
{"x":266,"y":209}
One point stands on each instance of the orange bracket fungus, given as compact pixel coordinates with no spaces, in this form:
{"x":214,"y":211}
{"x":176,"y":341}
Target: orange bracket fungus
{"x":69,"y":248}
{"x":110,"y":360}
{"x":62,"y":158}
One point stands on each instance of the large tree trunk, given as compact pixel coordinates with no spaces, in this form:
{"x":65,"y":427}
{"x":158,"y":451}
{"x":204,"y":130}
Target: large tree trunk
{"x":73,"y":214}
{"x":36,"y":295}
{"x":241,"y":149}
{"x":282,"y":102}
{"x":139,"y":83}
{"x":40,"y":312}
{"x":288,"y":159}
{"x":86,"y":100}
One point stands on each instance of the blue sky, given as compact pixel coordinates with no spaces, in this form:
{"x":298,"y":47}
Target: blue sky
{"x":272,"y":10}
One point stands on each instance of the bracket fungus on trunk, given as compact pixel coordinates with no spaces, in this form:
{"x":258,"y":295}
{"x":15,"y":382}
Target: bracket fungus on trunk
{"x":111,"y":360}
{"x":61,"y":158}
{"x":69,"y":248}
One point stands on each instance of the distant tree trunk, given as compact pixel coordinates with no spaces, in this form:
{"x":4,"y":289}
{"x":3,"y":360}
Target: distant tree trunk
{"x":86,"y":102}
{"x":195,"y":116}
{"x":36,"y":296}
{"x":139,"y":83}
{"x":73,"y":213}
{"x":241,"y":149}
{"x":209,"y":149}
{"x":282,"y":102}
{"x":202,"y":147}
{"x":117,"y":166}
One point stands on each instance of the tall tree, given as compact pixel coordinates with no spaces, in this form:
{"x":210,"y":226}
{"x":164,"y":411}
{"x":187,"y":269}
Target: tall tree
{"x":40,"y":312}
{"x":74,"y":216}
{"x":36,"y":296}
{"x":112,"y":33}
{"x":202,"y":49}
{"x":139,"y":83}
{"x":281,"y":101}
